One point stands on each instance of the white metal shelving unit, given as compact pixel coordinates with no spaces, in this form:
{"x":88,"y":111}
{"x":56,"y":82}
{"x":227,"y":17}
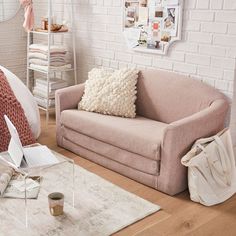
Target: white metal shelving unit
{"x":51,"y":73}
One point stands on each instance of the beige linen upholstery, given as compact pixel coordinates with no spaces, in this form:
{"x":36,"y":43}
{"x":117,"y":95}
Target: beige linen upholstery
{"x":178,"y":139}
{"x":173,"y":111}
{"x":168,"y":97}
{"x":111,"y":152}
{"x":67,"y":98}
{"x":140,"y":135}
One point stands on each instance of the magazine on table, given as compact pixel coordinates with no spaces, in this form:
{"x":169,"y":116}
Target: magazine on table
{"x":6,"y":174}
{"x":13,"y":184}
{"x":16,"y":188}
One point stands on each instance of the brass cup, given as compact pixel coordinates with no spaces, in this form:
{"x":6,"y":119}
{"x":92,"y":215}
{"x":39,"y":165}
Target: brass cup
{"x":56,"y":203}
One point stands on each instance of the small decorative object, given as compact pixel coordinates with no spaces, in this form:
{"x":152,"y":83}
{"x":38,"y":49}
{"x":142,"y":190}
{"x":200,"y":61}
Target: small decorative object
{"x":159,"y":12}
{"x":153,"y":44}
{"x":143,"y":3}
{"x":56,"y":203}
{"x":157,"y":44}
{"x":165,"y":37}
{"x":44,"y":23}
{"x":54,"y":27}
{"x":152,"y":26}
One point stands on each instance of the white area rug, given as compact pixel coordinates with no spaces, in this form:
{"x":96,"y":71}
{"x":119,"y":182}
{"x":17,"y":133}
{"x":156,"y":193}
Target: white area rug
{"x":101,"y":208}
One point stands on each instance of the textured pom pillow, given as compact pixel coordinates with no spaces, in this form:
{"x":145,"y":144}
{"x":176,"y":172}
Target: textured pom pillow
{"x":110,"y":93}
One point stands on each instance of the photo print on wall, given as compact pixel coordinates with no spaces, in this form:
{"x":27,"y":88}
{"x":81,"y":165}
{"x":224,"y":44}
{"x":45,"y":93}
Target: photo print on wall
{"x":152,"y":25}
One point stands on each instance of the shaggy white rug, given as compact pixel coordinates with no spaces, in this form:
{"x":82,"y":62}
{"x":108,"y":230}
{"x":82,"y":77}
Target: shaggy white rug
{"x":101,"y":208}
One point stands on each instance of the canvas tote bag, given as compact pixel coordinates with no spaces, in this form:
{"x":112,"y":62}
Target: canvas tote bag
{"x":211,"y":169}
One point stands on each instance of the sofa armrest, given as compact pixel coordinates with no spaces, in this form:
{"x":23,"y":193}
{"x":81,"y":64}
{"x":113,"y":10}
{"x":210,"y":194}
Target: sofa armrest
{"x":67,"y":98}
{"x":178,"y":138}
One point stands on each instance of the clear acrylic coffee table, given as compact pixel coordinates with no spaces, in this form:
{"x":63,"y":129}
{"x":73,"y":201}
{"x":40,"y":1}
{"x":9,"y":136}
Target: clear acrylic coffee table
{"x":59,"y":177}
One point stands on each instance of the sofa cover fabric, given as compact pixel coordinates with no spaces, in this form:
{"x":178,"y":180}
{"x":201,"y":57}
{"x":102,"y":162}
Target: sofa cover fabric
{"x":142,"y":177}
{"x":139,"y":135}
{"x":168,"y":97}
{"x":112,"y":152}
{"x":205,"y":118}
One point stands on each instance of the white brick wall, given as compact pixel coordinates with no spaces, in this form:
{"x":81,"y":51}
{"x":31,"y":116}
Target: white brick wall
{"x":206,"y":52}
{"x":203,"y":4}
{"x":216,"y":4}
{"x":13,"y":45}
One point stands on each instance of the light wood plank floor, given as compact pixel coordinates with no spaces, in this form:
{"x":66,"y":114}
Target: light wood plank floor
{"x":179,"y":216}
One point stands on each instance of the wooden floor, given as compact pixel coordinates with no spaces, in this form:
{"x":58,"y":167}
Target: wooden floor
{"x":179,"y":216}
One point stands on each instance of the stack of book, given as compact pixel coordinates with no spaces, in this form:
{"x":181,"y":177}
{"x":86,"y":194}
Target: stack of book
{"x":41,"y":94}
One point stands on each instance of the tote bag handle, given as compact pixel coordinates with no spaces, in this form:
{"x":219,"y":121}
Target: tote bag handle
{"x":225,"y":159}
{"x":222,"y":156}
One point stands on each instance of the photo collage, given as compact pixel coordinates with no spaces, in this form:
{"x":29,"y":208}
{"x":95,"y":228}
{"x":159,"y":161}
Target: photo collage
{"x":151,"y":24}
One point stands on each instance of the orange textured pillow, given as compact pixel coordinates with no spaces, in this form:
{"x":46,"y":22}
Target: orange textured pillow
{"x":10,"y":106}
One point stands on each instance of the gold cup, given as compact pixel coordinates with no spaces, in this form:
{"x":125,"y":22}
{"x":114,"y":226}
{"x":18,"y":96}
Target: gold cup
{"x":56,"y":203}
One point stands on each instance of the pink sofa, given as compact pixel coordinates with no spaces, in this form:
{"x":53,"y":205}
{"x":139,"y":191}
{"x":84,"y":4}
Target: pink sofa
{"x":172,"y":112}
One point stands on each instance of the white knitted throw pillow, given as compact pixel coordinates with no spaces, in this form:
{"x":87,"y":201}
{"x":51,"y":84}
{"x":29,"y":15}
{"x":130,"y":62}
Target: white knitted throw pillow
{"x":110,"y":93}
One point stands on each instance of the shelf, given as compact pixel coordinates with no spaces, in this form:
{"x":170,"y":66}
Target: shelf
{"x":147,"y":50}
{"x":51,"y":70}
{"x":46,"y":33}
{"x":48,"y":71}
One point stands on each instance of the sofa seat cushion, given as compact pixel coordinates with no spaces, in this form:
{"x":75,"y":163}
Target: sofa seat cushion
{"x":139,"y":135}
{"x":111,"y":152}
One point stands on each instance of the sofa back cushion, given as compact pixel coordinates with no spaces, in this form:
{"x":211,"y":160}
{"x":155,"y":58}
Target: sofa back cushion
{"x":168,"y":97}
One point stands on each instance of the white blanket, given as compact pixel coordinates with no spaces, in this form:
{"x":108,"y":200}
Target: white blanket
{"x":43,"y":56}
{"x":54,"y":62}
{"x":45,"y":68}
{"x":44,"y":48}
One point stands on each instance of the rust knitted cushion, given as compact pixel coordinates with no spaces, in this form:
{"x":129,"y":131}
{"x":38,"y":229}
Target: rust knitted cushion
{"x":10,"y":106}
